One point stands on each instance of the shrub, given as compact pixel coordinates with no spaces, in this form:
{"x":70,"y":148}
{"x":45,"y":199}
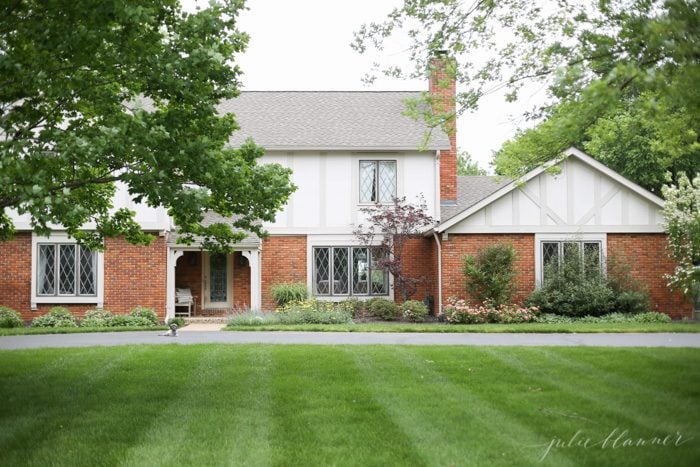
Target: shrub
{"x":630,"y":295}
{"x":57,"y":317}
{"x":315,"y":312}
{"x":489,"y":274}
{"x":651,"y":317}
{"x":146,"y":315}
{"x":131,"y":321}
{"x":97,"y":318}
{"x":177,"y":320}
{"x":286,"y":293}
{"x":458,"y":311}
{"x":415,"y":311}
{"x":551,"y":318}
{"x":9,"y":318}
{"x":383,"y":309}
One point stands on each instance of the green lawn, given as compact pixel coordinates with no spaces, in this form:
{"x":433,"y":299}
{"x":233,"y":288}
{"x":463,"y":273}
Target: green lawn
{"x":30,"y":330}
{"x":441,"y":327}
{"x":349,"y":405}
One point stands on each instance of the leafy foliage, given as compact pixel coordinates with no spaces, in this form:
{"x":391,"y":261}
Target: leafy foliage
{"x":9,"y":318}
{"x":95,"y":94}
{"x":490,"y":274}
{"x":148,"y":315}
{"x":57,"y":317}
{"x":285,"y":293}
{"x":578,"y":288}
{"x":682,"y":223}
{"x":465,"y":165}
{"x":393,"y":226}
{"x":415,"y":311}
{"x":621,"y":75}
{"x":383,"y":309}
{"x":97,"y":318}
{"x":647,"y":317}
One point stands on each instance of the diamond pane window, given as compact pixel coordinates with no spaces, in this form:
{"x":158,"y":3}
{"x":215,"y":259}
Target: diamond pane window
{"x":348,"y":271}
{"x":377,"y":181}
{"x":322,"y":269}
{"x":66,"y":269}
{"x":340,"y":271}
{"x":360,"y":271}
{"x":88,"y":272}
{"x":380,"y":277}
{"x":585,"y":257}
{"x":217,"y":285}
{"x":387,"y":181}
{"x":46,"y":267}
{"x":368,"y":183}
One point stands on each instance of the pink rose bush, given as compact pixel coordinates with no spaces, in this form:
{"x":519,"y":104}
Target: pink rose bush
{"x":458,"y":311}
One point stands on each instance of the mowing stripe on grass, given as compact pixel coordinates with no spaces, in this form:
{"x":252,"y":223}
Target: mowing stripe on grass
{"x":413,"y":391}
{"x":615,"y":405}
{"x":324,"y":411}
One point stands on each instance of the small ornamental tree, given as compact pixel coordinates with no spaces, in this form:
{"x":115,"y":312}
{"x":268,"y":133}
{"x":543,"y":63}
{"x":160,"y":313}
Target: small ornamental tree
{"x":682,"y":223}
{"x":490,"y":274}
{"x":388,"y":231}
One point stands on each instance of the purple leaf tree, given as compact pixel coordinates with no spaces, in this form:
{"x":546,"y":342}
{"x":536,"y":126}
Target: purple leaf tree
{"x":388,"y":230}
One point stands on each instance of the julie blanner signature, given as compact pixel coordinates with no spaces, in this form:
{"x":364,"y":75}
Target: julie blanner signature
{"x":616,"y":439}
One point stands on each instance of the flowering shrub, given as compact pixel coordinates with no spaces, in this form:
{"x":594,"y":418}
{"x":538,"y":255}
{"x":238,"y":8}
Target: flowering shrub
{"x":57,"y":317}
{"x":9,"y":318}
{"x":458,"y":311}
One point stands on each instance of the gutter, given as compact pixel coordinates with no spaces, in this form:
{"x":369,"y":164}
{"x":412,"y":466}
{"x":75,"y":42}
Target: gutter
{"x":439,"y":255}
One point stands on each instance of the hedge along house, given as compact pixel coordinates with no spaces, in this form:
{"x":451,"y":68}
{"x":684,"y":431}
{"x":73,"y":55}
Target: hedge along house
{"x":349,"y":150}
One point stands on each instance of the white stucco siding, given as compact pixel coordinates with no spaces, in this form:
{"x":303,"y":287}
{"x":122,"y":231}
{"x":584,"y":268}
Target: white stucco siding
{"x":576,"y":198}
{"x":148,"y":218}
{"x":327,"y":199}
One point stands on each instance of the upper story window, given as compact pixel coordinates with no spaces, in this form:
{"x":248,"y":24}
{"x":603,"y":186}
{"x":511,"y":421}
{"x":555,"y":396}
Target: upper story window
{"x":377,"y":181}
{"x":66,"y":269}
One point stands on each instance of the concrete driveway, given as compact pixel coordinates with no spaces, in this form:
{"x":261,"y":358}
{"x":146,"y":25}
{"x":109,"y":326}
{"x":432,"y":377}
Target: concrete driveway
{"x":351,"y":338}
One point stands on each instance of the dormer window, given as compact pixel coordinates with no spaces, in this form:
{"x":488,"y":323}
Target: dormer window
{"x":377,"y":181}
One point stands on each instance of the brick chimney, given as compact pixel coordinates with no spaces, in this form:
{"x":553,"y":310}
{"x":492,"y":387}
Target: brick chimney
{"x":442,"y":71}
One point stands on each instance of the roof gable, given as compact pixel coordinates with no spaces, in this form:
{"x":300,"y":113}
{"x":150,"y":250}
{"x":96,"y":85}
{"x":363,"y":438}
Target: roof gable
{"x":586,"y":196}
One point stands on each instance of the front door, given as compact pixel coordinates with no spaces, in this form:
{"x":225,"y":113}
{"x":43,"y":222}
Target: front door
{"x":217,"y":280}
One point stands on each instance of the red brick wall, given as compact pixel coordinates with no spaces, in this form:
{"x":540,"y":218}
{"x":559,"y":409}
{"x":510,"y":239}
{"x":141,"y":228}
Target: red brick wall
{"x":442,"y":89}
{"x":241,"y":281}
{"x":16,"y":274}
{"x":135,"y":275}
{"x":648,"y":260}
{"x":283,"y":260}
{"x":459,"y":245}
{"x":420,"y":261}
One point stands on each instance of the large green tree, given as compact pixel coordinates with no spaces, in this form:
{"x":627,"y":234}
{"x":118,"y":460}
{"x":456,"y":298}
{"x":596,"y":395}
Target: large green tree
{"x":621,"y":75}
{"x":96,"y":93}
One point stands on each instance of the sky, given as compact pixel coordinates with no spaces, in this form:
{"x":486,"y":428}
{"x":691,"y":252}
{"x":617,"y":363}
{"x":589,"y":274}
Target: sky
{"x":301,"y":45}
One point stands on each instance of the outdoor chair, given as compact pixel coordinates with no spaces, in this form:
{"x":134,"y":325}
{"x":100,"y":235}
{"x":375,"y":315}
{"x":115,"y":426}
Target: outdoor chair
{"x":184,"y":299}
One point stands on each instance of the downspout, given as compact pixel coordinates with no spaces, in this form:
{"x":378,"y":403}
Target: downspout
{"x":439,"y":255}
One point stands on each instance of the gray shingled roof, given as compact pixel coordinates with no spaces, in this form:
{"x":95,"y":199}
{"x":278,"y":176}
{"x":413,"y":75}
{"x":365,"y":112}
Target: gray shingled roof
{"x":328,"y":120}
{"x":252,"y":240}
{"x":471,"y":190}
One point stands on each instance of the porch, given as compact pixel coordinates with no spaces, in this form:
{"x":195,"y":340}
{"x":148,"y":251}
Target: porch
{"x":220,"y":284}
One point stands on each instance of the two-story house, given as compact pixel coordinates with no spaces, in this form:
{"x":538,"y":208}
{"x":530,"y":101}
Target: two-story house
{"x":348,"y":150}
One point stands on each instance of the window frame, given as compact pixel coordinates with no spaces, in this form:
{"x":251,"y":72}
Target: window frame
{"x":350,"y":254}
{"x":376,"y":163}
{"x":561,"y":239}
{"x":57,"y":240}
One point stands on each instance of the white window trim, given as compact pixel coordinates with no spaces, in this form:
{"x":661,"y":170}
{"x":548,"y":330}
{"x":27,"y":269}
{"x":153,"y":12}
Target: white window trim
{"x":313,"y":241}
{"x":568,"y":237}
{"x":61,"y":237}
{"x":398,"y":192}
